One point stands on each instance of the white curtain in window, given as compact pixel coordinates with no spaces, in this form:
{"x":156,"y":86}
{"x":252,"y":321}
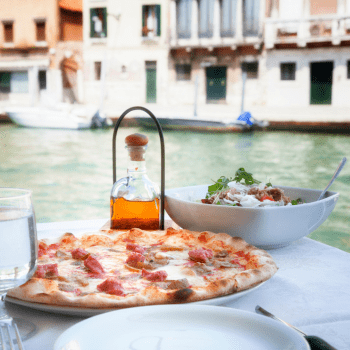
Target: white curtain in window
{"x":19,"y":81}
{"x":228,"y":18}
{"x":206,"y":18}
{"x":251,"y":10}
{"x":150,"y":19}
{"x":183,"y":17}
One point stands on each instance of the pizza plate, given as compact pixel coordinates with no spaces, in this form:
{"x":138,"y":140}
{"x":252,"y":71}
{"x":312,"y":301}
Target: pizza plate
{"x":170,"y":327}
{"x":88,"y":312}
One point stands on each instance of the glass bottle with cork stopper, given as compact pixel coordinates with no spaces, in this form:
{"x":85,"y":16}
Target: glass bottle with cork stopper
{"x":135,"y":198}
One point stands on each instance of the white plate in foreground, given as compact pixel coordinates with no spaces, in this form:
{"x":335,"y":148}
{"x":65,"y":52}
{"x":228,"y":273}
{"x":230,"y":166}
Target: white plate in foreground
{"x":174,"y":327}
{"x":87,"y":312}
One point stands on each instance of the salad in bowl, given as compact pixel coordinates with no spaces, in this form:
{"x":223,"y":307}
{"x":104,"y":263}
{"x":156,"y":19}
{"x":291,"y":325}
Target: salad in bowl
{"x":263,"y":214}
{"x":245,"y":191}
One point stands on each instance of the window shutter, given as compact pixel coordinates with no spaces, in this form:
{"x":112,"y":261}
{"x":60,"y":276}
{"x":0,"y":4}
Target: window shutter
{"x":143,"y":19}
{"x":104,"y":14}
{"x":92,"y":31}
{"x":158,"y":19}
{"x":5,"y":78}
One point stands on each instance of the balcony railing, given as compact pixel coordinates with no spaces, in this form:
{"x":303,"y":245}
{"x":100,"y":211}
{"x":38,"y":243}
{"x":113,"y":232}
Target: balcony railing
{"x":333,"y":28}
{"x":233,"y":29}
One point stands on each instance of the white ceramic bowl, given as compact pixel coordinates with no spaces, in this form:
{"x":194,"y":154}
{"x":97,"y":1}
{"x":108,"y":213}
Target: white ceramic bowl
{"x":268,"y":227}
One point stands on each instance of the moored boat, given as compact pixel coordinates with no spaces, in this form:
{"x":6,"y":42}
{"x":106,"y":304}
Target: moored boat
{"x":64,"y":116}
{"x":243,"y":124}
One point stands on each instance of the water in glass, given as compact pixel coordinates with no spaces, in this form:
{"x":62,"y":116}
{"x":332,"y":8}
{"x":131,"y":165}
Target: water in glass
{"x":18,"y":241}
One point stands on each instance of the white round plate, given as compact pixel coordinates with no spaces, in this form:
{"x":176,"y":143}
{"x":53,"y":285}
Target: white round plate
{"x":87,"y":312}
{"x":173,"y":327}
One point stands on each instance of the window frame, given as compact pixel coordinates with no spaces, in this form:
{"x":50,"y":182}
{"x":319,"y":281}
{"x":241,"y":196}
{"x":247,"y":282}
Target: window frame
{"x":40,"y":35}
{"x":183,"y":20}
{"x":251,"y":74}
{"x":230,"y":15}
{"x":11,"y":25}
{"x":5,"y":89}
{"x":104,"y":32}
{"x":12,"y":86}
{"x":156,"y":32}
{"x":251,"y":18}
{"x":42,"y":79}
{"x":183,"y":75}
{"x":288,"y":75}
{"x":206,"y":17}
{"x":97,"y":70}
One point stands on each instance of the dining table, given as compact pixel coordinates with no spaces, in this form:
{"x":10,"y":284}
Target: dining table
{"x":311,"y":290}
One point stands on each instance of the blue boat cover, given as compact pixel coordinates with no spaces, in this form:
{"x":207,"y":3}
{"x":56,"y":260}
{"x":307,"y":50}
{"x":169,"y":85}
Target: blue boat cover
{"x":246,"y":117}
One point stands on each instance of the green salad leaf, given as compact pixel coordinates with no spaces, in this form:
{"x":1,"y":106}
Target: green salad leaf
{"x":241,"y":174}
{"x":297,"y":201}
{"x":218,"y":185}
{"x":222,"y":183}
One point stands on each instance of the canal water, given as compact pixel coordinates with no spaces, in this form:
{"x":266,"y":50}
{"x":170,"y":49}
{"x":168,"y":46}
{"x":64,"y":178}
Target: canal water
{"x":70,"y":172}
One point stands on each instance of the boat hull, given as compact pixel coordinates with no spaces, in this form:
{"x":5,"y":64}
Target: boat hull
{"x":47,"y":118}
{"x":193,"y":124}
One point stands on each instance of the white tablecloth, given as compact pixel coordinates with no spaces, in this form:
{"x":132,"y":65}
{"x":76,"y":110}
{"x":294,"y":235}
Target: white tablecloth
{"x":311,"y":290}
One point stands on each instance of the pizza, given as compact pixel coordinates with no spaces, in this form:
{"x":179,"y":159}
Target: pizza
{"x":119,"y":269}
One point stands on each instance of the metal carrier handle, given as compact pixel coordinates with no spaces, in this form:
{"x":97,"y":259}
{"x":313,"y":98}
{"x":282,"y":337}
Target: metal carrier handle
{"x":160,"y":131}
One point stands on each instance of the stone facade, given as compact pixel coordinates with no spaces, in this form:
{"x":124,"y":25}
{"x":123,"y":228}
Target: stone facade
{"x":130,"y":57}
{"x":41,"y":52}
{"x":268,"y":57}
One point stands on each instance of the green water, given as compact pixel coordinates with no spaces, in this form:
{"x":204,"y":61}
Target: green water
{"x":70,"y":172}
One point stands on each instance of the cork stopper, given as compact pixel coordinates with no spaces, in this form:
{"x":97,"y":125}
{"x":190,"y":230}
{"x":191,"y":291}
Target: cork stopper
{"x":136,"y":140}
{"x":136,"y":144}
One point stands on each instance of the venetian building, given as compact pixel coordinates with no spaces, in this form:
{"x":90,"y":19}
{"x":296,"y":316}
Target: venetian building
{"x":159,"y":51}
{"x":308,"y":52}
{"x":41,"y":51}
{"x":212,"y":42}
{"x":126,"y":51}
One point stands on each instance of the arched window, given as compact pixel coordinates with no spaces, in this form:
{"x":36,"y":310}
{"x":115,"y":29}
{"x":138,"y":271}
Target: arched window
{"x":228,"y":17}
{"x":183,"y":18}
{"x":206,"y":18}
{"x":251,"y":10}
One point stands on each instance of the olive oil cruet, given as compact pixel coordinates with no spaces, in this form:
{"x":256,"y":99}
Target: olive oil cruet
{"x":136,"y":201}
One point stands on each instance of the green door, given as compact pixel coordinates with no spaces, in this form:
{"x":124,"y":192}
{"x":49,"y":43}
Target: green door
{"x":151,"y":82}
{"x":216,"y":84}
{"x":321,"y":74}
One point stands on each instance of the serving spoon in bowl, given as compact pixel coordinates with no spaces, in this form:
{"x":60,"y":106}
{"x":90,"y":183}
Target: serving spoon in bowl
{"x":337,"y":172}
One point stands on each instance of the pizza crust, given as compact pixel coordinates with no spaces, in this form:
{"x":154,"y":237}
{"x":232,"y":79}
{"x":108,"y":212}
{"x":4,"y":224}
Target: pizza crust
{"x":110,"y":244}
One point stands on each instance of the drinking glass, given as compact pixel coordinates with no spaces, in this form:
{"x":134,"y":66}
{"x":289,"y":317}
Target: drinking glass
{"x":18,"y":244}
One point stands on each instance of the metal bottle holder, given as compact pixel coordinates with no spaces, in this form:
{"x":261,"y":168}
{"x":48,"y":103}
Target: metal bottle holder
{"x":160,"y":131}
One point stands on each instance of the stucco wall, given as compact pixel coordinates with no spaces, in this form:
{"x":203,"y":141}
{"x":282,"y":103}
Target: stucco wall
{"x":297,"y":92}
{"x":23,"y":14}
{"x":125,"y":52}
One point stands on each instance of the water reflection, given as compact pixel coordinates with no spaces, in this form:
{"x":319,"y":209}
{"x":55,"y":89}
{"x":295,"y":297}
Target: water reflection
{"x":70,"y":172}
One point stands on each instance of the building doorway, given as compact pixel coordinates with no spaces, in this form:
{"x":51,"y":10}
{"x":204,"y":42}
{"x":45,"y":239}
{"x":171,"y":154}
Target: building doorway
{"x":69,"y":69}
{"x":42,"y":79}
{"x":151,"y":81}
{"x":321,"y":78}
{"x":216,"y":84}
